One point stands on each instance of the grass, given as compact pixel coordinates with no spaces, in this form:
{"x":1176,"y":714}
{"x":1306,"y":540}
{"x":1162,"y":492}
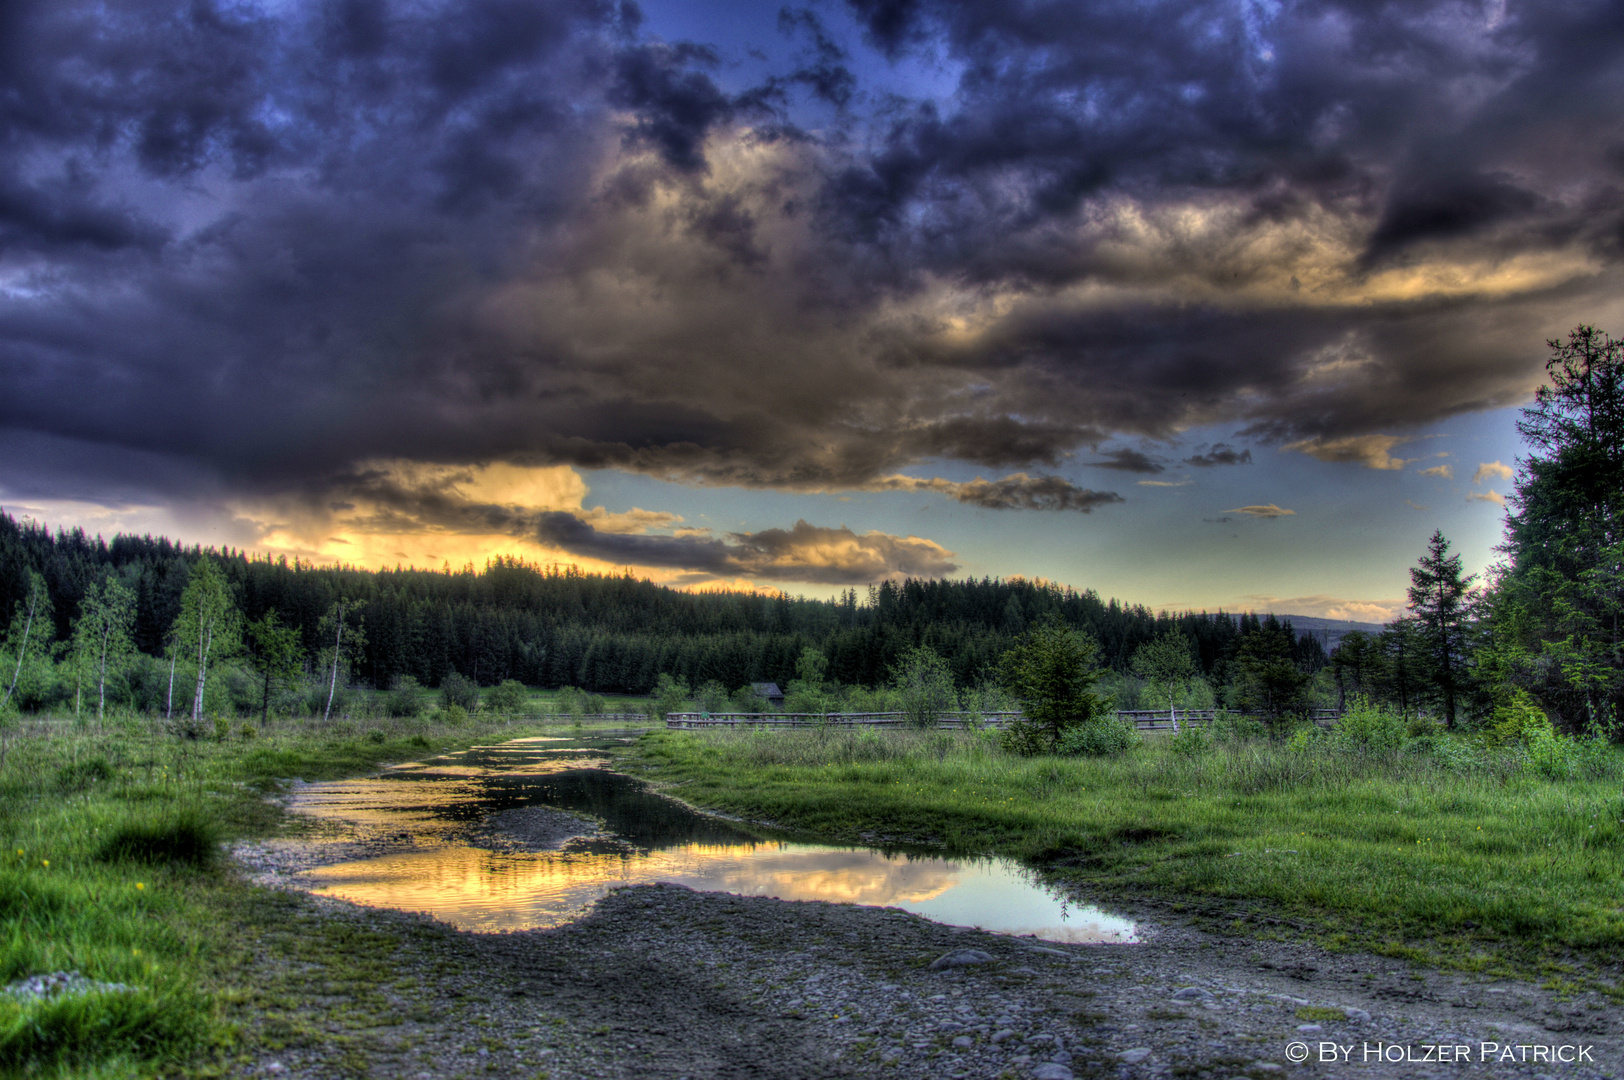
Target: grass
{"x":110,"y":866}
{"x":1485,"y":865}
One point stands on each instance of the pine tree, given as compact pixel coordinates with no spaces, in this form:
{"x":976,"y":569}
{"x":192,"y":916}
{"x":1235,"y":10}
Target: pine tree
{"x":1439,"y":597}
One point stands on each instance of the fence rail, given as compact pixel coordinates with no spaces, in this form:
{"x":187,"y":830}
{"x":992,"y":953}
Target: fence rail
{"x":1143,"y":719}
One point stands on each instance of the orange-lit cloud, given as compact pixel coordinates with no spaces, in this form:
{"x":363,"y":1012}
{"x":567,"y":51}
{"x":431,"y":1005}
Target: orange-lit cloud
{"x":1371,"y":451}
{"x":1492,"y":470}
{"x":1443,"y":472}
{"x":1268,"y":510}
{"x":1490,"y":496}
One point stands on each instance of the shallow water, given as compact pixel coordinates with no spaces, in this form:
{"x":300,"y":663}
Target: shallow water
{"x":424,"y":818}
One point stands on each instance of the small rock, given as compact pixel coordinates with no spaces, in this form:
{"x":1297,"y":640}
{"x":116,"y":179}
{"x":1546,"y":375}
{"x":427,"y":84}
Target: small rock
{"x":1309,"y":1027}
{"x":960,"y":958}
{"x":1052,"y":1070}
{"x":963,"y":1042}
{"x":1002,"y":1035}
{"x":1039,"y":1040}
{"x":1265,"y":1066}
{"x":1192,"y":993}
{"x":1046,"y":951}
{"x":1134,"y":1056}
{"x":1357,"y":1014}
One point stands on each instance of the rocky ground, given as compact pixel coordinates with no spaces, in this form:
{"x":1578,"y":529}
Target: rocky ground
{"x":661,"y":981}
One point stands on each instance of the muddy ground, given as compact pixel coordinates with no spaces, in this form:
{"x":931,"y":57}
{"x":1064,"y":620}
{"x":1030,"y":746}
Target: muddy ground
{"x":661,"y":981}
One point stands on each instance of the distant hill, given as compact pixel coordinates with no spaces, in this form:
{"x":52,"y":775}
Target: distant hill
{"x":1328,"y":632}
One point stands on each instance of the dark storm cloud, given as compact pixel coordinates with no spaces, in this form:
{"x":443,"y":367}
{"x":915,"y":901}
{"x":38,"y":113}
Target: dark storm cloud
{"x":804,"y":553}
{"x":1018,"y":491}
{"x":1220,"y":454}
{"x":1127,"y":460}
{"x":270,"y":242}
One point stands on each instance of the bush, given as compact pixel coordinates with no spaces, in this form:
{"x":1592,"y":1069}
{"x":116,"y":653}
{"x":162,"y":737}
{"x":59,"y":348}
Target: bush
{"x":453,"y":715}
{"x":1238,"y":729}
{"x":510,"y":696}
{"x":406,"y":699}
{"x":1190,"y":741}
{"x":457,"y":690}
{"x":1518,"y":722}
{"x":1367,"y":728}
{"x":1098,"y":738}
{"x":183,"y":837}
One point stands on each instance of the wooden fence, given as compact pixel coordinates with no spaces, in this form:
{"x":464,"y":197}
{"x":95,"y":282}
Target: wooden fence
{"x":1143,"y":719}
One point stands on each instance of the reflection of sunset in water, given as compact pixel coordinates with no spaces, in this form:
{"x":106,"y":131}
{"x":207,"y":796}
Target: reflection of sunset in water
{"x":482,"y":890}
{"x":646,"y":838}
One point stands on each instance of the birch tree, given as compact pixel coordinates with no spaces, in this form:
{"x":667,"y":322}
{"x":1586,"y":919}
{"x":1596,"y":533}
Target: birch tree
{"x":209,"y":627}
{"x":343,"y":638}
{"x":101,"y":637}
{"x":28,"y":638}
{"x":1169,"y":668}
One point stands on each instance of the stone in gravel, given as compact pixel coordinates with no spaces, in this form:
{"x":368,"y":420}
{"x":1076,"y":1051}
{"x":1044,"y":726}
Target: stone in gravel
{"x":1309,"y":1027}
{"x":1265,"y":1066}
{"x":1002,"y":1036}
{"x":1051,"y":1070}
{"x":1192,"y":993}
{"x":1134,"y":1056}
{"x":1356,"y":1014}
{"x":1046,"y":951}
{"x":963,"y":1042}
{"x":960,"y":958}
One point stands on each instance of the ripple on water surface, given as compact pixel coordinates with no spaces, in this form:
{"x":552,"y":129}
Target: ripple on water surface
{"x":646,"y":838}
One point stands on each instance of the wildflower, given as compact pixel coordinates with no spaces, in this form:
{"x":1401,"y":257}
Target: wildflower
{"x":140,"y":885}
{"x":45,"y":862}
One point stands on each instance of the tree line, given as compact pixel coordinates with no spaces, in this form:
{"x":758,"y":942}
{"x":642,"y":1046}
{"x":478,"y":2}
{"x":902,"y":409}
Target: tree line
{"x":542,"y":625}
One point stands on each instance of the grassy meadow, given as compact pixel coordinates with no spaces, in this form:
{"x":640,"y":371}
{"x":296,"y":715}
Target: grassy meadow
{"x":1438,"y":849}
{"x":111,"y":866}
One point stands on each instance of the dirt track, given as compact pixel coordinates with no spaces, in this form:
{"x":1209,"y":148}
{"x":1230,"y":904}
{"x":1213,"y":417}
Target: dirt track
{"x":664,"y":982}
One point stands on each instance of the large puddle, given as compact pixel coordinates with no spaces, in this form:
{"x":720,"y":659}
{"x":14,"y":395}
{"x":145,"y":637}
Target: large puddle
{"x":437,"y":830}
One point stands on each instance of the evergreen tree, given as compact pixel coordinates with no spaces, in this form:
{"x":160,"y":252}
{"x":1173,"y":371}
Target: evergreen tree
{"x":1439,"y":597}
{"x":274,"y":652}
{"x":1052,"y":672}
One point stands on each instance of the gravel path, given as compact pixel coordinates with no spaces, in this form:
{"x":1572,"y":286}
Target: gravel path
{"x":661,"y":981}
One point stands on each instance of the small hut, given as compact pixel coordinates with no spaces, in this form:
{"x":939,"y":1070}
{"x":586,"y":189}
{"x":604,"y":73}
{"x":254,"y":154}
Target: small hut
{"x":768,"y":692}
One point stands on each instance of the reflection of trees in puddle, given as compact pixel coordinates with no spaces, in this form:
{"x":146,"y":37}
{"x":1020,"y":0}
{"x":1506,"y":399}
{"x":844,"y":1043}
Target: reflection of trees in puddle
{"x":480,"y":890}
{"x":650,"y":838}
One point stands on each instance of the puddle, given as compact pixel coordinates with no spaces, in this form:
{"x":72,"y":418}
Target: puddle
{"x":420,"y":827}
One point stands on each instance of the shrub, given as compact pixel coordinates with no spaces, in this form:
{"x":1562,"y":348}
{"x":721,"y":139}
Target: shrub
{"x":1369,"y":728}
{"x":248,"y":732}
{"x":1517,"y":722}
{"x":1550,"y":755}
{"x":377,"y":736}
{"x":1238,"y":729}
{"x":1101,"y":737}
{"x":1190,"y":741}
{"x":711,"y":697}
{"x":406,"y":699}
{"x":925,"y":683}
{"x":453,"y":715}
{"x":457,"y":690}
{"x":184,"y":837}
{"x":509,"y":696}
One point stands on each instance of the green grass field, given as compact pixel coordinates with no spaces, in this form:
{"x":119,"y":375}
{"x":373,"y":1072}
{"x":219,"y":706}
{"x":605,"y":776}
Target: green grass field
{"x":1475,"y":862}
{"x":111,"y":866}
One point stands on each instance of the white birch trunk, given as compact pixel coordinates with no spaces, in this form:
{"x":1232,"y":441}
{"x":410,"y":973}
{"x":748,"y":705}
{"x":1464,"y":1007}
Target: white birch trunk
{"x":332,"y":684}
{"x":205,"y":638}
{"x":22,"y":648}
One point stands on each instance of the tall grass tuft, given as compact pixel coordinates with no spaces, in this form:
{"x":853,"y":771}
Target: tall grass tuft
{"x":182,"y":837}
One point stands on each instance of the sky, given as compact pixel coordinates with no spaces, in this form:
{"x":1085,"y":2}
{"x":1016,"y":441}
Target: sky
{"x":1195,"y":304}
